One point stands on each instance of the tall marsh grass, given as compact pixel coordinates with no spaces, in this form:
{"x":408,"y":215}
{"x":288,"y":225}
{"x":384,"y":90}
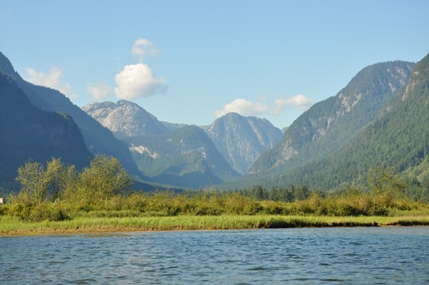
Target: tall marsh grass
{"x":9,"y":226}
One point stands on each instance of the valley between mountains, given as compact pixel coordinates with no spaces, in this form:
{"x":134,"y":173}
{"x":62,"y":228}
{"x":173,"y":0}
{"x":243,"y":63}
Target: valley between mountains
{"x":379,"y":119}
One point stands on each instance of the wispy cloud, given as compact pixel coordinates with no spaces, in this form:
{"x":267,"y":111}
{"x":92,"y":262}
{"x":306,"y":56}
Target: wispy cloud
{"x":243,"y":107}
{"x":299,"y":101}
{"x":247,"y":108}
{"x":51,"y":80}
{"x":138,"y":81}
{"x":142,"y":47}
{"x":98,"y":91}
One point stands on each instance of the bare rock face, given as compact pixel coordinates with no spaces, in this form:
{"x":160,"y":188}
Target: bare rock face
{"x":126,"y":118}
{"x":241,"y":140}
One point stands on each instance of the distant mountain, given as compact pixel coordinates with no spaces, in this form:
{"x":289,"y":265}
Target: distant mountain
{"x":333,"y":123}
{"x":28,"y":133}
{"x":173,"y":154}
{"x":99,"y":140}
{"x":398,"y":137}
{"x":285,"y":129}
{"x":241,"y":140}
{"x":125,"y":118}
{"x":173,"y":126}
{"x":185,"y":157}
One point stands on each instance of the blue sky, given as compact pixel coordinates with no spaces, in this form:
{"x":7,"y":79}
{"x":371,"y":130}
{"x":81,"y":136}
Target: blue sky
{"x":192,"y":61}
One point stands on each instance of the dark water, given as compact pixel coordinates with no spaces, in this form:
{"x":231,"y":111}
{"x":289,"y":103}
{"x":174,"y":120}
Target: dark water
{"x":282,"y":256}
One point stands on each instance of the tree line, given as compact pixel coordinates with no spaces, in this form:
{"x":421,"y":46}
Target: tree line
{"x":56,"y":191}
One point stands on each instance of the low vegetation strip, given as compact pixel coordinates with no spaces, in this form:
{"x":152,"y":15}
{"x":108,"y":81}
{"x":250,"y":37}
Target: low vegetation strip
{"x":12,"y":227}
{"x":59,"y":199}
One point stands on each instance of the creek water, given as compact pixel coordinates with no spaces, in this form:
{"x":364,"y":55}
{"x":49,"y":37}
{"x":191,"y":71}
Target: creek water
{"x":396,"y":255}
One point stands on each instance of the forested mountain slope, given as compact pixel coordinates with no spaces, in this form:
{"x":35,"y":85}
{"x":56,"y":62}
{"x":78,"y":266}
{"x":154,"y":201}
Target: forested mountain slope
{"x":185,"y":157}
{"x":98,"y":139}
{"x":398,"y":137}
{"x":28,"y":133}
{"x":333,"y":123}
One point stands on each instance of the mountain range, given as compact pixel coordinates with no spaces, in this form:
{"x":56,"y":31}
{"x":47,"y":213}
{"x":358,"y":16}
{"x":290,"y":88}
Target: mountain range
{"x":214,"y":153}
{"x":333,"y":123}
{"x":378,"y":119}
{"x":341,"y":139}
{"x":98,"y":139}
{"x":240,"y":140}
{"x":186,"y":156}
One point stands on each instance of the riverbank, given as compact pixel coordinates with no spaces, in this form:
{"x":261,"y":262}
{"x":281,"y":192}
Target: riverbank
{"x":11,"y":227}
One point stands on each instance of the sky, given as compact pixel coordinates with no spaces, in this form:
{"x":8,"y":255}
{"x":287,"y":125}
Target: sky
{"x":194,"y":61}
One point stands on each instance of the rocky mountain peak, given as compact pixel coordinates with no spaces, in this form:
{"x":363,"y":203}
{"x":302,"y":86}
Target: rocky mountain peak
{"x":241,"y":140}
{"x":126,"y":118}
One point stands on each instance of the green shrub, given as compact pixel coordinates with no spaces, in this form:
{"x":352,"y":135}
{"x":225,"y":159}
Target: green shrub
{"x":46,"y":211}
{"x":252,"y":208}
{"x":36,"y":212}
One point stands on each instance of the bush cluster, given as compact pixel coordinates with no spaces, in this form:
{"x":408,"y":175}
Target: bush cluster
{"x":54,"y":191}
{"x":57,"y":193}
{"x":171,"y":204}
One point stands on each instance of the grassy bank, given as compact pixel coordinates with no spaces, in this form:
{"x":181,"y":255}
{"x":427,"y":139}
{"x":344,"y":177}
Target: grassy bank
{"x":58,"y":199}
{"x":12,"y":227}
{"x":165,"y":211}
{"x":159,"y":204}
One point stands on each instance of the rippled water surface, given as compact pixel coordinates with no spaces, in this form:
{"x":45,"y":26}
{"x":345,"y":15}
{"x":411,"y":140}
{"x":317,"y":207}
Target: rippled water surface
{"x":281,"y":256}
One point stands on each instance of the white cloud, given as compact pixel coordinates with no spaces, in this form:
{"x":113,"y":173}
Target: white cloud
{"x":51,"y":80}
{"x":142,"y":47}
{"x":40,"y":78}
{"x":299,"y":101}
{"x":243,"y":107}
{"x":247,"y":108}
{"x":137,"y":81}
{"x":98,"y":91}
